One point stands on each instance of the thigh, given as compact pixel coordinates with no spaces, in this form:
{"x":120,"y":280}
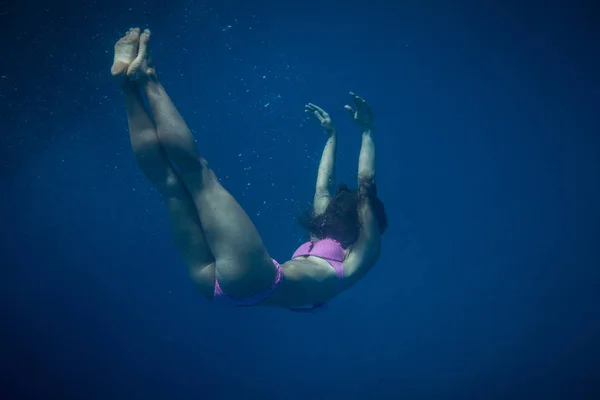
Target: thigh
{"x":190,"y":240}
{"x":243,"y":265}
{"x":185,"y":222}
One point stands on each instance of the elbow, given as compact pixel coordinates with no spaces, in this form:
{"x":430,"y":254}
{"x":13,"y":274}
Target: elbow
{"x":367,"y":189}
{"x":366,"y":174}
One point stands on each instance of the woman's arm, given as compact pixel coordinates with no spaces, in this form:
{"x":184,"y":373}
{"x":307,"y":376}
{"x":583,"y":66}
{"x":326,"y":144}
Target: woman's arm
{"x":365,"y":251}
{"x":326,"y":173}
{"x":366,"y":158}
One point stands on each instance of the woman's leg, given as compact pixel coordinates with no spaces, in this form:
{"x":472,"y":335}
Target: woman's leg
{"x":243,"y":265}
{"x":154,"y":163}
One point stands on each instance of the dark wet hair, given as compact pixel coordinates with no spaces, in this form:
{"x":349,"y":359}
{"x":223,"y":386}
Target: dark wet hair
{"x":340,"y":220}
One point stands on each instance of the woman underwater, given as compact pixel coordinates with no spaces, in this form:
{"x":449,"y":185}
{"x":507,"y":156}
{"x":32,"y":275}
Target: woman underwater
{"x":219,"y":244}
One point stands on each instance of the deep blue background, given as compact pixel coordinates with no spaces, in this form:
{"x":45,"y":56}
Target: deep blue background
{"x":489,"y":165}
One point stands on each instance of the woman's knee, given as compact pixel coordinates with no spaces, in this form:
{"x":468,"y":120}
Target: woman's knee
{"x":171,"y":186}
{"x":145,"y":144}
{"x":200,"y":180}
{"x":181,"y":150}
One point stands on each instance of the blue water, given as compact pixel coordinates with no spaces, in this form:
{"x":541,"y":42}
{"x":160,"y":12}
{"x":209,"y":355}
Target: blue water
{"x":488,"y":163}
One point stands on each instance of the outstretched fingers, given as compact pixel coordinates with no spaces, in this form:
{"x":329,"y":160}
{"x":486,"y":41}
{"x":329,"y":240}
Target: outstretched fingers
{"x":359,"y":101}
{"x":317,"y":111}
{"x":360,"y":104}
{"x":350,"y":110}
{"x":361,"y":113}
{"x":316,"y":107}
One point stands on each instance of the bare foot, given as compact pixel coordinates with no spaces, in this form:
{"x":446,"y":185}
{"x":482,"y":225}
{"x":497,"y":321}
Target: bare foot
{"x":139,"y":66}
{"x":125,"y":50}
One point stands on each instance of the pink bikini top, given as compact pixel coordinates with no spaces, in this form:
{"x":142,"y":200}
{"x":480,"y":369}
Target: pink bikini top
{"x":328,"y":249}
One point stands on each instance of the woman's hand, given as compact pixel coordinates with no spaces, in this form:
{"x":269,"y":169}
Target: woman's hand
{"x":322,"y":117}
{"x":362,"y":115}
